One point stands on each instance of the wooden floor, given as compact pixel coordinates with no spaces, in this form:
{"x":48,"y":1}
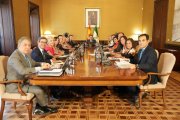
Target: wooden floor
{"x":111,"y":107}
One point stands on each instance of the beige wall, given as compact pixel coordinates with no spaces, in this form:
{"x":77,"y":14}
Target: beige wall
{"x":61,"y":16}
{"x":21,"y":17}
{"x":147,"y":21}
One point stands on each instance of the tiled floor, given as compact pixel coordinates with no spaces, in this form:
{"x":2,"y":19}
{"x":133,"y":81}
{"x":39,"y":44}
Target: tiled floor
{"x":110,"y":107}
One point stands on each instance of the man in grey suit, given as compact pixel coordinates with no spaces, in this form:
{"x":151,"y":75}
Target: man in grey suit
{"x":20,"y":65}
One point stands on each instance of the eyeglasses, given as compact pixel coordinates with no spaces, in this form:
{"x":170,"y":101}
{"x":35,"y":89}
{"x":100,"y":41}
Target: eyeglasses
{"x":43,"y":42}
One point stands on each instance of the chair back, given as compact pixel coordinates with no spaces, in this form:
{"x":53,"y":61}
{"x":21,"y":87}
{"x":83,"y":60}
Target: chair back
{"x":157,"y":53}
{"x":3,"y":71}
{"x":165,"y":65}
{"x":3,"y":67}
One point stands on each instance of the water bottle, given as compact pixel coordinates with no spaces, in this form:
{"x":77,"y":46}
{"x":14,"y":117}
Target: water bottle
{"x":98,"y":56}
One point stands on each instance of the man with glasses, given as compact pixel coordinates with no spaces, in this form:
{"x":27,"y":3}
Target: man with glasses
{"x":39,"y":54}
{"x":19,"y":67}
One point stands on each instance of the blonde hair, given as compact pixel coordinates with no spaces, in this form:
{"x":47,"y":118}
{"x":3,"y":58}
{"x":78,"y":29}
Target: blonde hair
{"x":23,"y":39}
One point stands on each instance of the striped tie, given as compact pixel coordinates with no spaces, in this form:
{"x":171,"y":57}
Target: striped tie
{"x":140,"y":54}
{"x":29,"y":63}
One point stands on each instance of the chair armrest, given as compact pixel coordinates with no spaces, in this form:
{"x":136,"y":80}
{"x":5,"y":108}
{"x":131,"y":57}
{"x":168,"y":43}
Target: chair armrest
{"x":19,"y":82}
{"x":11,"y":81}
{"x":158,"y":74}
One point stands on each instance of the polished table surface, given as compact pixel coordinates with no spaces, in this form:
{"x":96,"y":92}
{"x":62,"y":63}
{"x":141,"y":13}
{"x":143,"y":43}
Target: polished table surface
{"x":87,"y":73}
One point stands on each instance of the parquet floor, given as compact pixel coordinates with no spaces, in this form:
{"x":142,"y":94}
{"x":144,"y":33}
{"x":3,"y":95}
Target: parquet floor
{"x":110,"y":107}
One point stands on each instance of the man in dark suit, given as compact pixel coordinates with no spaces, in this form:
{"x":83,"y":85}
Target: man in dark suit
{"x":39,"y":54}
{"x":91,"y":41}
{"x":71,"y":42}
{"x":19,"y":66}
{"x":146,"y":59}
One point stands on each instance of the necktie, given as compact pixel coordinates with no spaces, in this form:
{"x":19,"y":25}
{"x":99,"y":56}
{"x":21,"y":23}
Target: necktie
{"x":29,"y":63}
{"x":44,"y":54}
{"x":140,"y":53}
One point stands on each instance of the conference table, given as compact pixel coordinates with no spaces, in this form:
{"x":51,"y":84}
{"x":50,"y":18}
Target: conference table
{"x":87,"y":73}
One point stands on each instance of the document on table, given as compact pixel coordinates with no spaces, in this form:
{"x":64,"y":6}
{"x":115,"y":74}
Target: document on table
{"x":51,"y":72}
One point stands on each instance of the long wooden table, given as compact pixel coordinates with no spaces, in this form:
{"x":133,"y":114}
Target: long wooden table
{"x":87,"y":73}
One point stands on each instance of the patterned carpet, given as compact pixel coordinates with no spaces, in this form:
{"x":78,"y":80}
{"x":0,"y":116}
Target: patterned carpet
{"x":109,"y":107}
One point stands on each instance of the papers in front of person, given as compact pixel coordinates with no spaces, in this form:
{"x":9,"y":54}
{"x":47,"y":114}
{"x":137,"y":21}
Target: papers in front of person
{"x":119,"y":59}
{"x":92,"y":54}
{"x":50,"y":72}
{"x":122,"y":64}
{"x":113,"y":58}
{"x":57,"y":61}
{"x":63,"y":56}
{"x":106,"y":52}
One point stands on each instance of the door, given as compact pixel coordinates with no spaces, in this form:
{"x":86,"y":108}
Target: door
{"x":7,"y":34}
{"x":34,"y":23}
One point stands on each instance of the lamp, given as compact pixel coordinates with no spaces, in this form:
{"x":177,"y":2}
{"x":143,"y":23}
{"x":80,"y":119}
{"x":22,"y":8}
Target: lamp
{"x":47,"y":32}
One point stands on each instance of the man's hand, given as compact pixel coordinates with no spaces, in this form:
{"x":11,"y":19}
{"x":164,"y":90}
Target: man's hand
{"x":133,"y":66}
{"x":45,"y":66}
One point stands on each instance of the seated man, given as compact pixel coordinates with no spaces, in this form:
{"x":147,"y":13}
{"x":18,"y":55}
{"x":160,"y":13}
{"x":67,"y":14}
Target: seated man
{"x":19,"y":66}
{"x":39,"y":54}
{"x":71,"y":42}
{"x":146,"y":59}
{"x":91,"y":41}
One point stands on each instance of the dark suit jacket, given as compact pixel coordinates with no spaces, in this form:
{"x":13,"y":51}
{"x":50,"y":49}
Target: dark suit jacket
{"x":148,"y":62}
{"x":92,"y":42}
{"x":38,"y":56}
{"x":119,"y":48}
{"x":72,"y":43}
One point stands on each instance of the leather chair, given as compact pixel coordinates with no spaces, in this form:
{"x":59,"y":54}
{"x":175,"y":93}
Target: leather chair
{"x":165,"y":66}
{"x":14,"y":97}
{"x":157,"y":52}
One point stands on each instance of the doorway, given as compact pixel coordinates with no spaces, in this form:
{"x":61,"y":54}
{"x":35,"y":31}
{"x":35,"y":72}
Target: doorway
{"x":34,"y":23}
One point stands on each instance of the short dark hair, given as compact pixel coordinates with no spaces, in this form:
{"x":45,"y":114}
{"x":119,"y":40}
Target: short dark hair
{"x":59,"y":36}
{"x":123,"y":37}
{"x":121,"y":33}
{"x":66,"y":34}
{"x":40,"y":38}
{"x":146,"y":35}
{"x":132,"y":41}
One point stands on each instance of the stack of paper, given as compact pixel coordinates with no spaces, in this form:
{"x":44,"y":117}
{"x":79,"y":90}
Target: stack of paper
{"x":51,"y":72}
{"x":123,"y":64}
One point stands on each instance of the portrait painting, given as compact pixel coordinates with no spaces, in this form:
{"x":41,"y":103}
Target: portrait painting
{"x":92,"y":17}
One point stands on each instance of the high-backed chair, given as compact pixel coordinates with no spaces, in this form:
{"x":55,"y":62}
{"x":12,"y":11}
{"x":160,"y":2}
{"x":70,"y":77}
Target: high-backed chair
{"x":165,"y":66}
{"x":157,"y":52}
{"x":15,"y":97}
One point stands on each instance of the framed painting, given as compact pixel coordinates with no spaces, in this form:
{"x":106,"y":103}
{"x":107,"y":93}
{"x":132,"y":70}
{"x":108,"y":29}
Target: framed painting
{"x":92,"y":17}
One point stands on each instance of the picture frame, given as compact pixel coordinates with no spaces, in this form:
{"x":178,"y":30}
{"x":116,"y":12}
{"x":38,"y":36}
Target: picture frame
{"x":92,"y":17}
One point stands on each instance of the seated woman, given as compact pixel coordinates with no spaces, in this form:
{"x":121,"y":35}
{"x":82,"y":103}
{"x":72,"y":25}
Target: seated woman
{"x":56,"y":48}
{"x":50,"y":46}
{"x":121,"y":46}
{"x":111,"y":41}
{"x":120,"y":34}
{"x":116,"y":44}
{"x":129,"y":52}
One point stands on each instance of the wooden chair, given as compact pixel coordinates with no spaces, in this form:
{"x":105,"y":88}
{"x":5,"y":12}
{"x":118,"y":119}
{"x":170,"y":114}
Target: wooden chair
{"x":165,"y":66}
{"x":15,"y":97}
